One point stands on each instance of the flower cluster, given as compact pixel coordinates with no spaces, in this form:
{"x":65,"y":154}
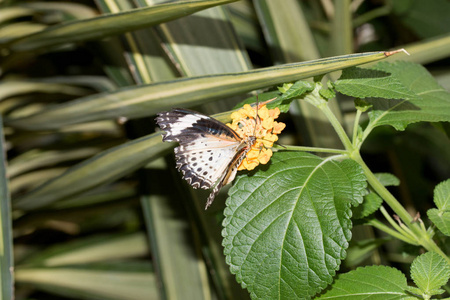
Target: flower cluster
{"x":265,"y":128}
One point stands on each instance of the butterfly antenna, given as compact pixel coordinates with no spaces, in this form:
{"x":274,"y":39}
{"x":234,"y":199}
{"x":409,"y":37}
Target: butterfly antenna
{"x":280,"y":145}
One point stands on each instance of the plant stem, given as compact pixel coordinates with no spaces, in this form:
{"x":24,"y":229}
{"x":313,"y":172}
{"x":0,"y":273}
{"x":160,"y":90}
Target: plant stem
{"x":382,"y":191}
{"x":309,"y":149}
{"x":377,"y":224}
{"x":421,"y":236}
{"x":414,"y":231}
{"x":355,"y":128}
{"x":337,"y":127}
{"x":407,"y":235}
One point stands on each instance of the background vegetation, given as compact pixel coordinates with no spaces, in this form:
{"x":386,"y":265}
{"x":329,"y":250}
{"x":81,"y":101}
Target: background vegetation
{"x":91,"y":204}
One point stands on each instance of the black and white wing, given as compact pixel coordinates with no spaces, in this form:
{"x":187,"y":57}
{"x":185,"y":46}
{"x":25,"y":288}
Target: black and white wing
{"x":207,"y":148}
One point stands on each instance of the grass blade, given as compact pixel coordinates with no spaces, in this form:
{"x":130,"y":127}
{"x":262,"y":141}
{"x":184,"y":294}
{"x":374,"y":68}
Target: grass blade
{"x":147,"y":100}
{"x":204,"y":43}
{"x":287,"y":29}
{"x":105,"y":167}
{"x":93,"y":249}
{"x":108,"y":25}
{"x":6,"y":241}
{"x":176,"y":249}
{"x":125,"y":280}
{"x":342,"y":28}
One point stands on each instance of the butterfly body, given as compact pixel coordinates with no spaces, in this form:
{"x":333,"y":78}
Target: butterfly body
{"x":209,"y":152}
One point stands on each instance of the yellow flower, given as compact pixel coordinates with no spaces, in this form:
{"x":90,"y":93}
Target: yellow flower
{"x":265,"y":156}
{"x":278,"y":127}
{"x":265,"y":128}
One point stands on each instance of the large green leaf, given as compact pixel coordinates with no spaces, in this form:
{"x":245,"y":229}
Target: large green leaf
{"x":112,"y":24}
{"x":6,"y":239}
{"x":287,"y":225}
{"x":429,"y":102}
{"x":105,"y":167}
{"x":371,"y":283}
{"x":146,"y":100}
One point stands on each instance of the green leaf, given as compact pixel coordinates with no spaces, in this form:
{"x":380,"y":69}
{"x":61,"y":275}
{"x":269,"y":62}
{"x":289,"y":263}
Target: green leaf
{"x":440,"y":219}
{"x":327,"y":93}
{"x":110,"y":24}
{"x":387,"y":179}
{"x":364,"y":83}
{"x":430,"y":271}
{"x":148,"y":99}
{"x":371,"y":204}
{"x":6,"y":237}
{"x":287,"y":225}
{"x":414,"y":290}
{"x":429,"y":103}
{"x":441,"y":216}
{"x":442,"y":195}
{"x":290,"y":92}
{"x":374,"y":282}
{"x":297,"y":90}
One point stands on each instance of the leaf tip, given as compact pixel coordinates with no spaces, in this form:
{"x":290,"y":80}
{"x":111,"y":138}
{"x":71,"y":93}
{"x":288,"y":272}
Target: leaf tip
{"x":389,"y":53}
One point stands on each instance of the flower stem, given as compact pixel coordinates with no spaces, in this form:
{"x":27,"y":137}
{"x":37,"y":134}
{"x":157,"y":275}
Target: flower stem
{"x":309,"y":149}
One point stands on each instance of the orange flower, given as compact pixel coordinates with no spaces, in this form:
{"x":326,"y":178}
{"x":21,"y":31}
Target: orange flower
{"x":264,"y":128}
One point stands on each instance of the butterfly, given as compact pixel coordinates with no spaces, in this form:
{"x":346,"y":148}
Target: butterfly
{"x":209,"y":152}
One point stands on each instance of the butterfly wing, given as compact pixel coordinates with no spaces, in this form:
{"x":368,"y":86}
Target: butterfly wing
{"x":207,"y":146}
{"x":231,"y":169}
